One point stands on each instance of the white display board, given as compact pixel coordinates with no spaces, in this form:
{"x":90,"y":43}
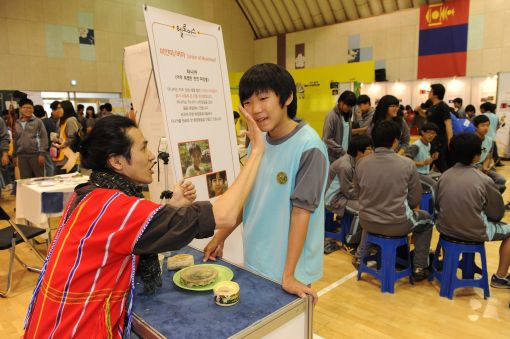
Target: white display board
{"x":190,"y":71}
{"x":503,"y":111}
{"x":138,"y":68}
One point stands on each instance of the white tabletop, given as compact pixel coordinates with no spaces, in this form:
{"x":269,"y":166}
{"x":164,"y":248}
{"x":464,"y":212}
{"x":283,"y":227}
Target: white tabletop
{"x":29,"y":194}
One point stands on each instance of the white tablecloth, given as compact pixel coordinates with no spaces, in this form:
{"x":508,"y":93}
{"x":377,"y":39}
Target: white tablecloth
{"x":29,"y":197}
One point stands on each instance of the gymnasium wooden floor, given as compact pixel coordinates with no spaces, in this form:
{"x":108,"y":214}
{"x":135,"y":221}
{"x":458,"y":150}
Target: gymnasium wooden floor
{"x":347,"y":307}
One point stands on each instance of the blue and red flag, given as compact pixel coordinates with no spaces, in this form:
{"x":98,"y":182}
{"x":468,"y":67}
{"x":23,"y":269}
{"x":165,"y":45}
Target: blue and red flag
{"x":443,"y":39}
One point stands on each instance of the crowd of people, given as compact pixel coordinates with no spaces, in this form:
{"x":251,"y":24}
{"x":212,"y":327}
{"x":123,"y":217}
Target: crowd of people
{"x":376,"y":174}
{"x":39,"y":145}
{"x":364,"y":164}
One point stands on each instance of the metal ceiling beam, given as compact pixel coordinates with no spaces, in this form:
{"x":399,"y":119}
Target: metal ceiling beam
{"x":259,"y":24}
{"x":249,"y":17}
{"x":275,"y":18}
{"x":350,"y":9}
{"x":294,"y":15}
{"x":363,"y":9}
{"x":304,"y":13}
{"x":338,"y":10}
{"x":376,"y":7}
{"x":284,"y":15}
{"x":315,"y":12}
{"x":326,"y":11}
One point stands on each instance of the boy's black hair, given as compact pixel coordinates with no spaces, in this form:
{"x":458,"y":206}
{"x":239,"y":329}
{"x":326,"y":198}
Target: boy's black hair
{"x":364,"y":99}
{"x":39,"y":111}
{"x":409,"y":108}
{"x":438,"y":90}
{"x":429,"y":126}
{"x":101,"y":107}
{"x":80,"y":106}
{"x":25,"y":101}
{"x":108,"y":107}
{"x":457,"y":101}
{"x":470,"y":108}
{"x":480,"y":119}
{"x":385,"y":133}
{"x":348,"y":98}
{"x":268,"y":76}
{"x":464,"y":147}
{"x":194,"y":148}
{"x":487,"y":107}
{"x":107,"y":138}
{"x":359,"y":143}
{"x":54,"y":105}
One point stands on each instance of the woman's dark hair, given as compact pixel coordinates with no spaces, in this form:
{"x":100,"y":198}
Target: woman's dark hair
{"x":107,"y":138}
{"x":381,"y":110}
{"x":269,"y":77}
{"x":480,"y":119}
{"x":470,"y":108}
{"x":386,"y":133}
{"x":464,"y":147}
{"x":68,"y":111}
{"x":93,"y":111}
{"x":359,"y":143}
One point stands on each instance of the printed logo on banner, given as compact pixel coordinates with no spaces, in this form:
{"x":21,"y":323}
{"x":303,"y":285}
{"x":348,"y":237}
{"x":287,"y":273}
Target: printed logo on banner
{"x":189,"y":31}
{"x":437,"y":14}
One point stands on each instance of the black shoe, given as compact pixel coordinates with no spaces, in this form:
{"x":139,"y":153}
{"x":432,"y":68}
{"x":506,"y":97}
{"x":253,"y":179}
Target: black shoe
{"x":499,"y":164}
{"x":497,"y":282}
{"x":420,"y":274}
{"x":330,"y":247}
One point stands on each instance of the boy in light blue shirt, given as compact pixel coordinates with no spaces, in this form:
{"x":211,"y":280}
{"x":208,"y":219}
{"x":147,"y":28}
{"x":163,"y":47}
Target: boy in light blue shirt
{"x":284,"y":215}
{"x":482,"y":125}
{"x":419,"y":151}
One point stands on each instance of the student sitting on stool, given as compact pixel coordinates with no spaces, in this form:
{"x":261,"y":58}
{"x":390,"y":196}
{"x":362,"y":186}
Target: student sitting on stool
{"x":469,"y":204}
{"x":482,"y":124}
{"x":389,"y":193}
{"x":419,"y":151}
{"x":340,"y":192}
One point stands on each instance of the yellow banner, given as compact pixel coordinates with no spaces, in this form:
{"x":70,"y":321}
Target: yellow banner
{"x":317,"y":88}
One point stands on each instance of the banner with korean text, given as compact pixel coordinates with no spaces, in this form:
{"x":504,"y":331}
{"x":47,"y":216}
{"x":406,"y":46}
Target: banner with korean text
{"x":190,"y":71}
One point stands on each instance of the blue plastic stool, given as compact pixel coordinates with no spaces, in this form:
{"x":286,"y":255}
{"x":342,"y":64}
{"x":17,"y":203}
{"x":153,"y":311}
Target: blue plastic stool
{"x":386,"y":259}
{"x":447,"y":276}
{"x":427,"y":203}
{"x":330,"y":225}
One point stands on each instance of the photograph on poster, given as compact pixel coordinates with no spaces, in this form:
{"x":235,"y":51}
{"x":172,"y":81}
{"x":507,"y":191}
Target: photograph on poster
{"x":217,"y":183}
{"x":195,"y":158}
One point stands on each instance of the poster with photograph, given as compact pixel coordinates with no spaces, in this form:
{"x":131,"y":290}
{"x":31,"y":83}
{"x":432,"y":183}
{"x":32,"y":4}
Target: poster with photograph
{"x":195,"y":158}
{"x":190,"y":71}
{"x":217,"y":183}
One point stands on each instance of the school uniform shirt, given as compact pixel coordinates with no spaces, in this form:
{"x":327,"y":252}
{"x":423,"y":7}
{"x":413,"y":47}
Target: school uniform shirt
{"x":292,"y":173}
{"x":466,"y":200}
{"x":493,"y":127}
{"x":336,"y":134}
{"x":29,"y":137}
{"x":419,"y":151}
{"x":405,"y":135}
{"x":339,"y":188}
{"x":388,"y":187}
{"x":486,"y":149}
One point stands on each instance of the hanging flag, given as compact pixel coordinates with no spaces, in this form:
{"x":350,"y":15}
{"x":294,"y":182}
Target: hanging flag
{"x":443,"y":39}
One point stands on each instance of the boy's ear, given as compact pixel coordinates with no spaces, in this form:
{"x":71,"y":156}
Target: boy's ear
{"x":289,"y":99}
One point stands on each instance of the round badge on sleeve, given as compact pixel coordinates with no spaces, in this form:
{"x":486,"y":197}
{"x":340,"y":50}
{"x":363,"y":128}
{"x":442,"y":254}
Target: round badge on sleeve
{"x":281,"y":178}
